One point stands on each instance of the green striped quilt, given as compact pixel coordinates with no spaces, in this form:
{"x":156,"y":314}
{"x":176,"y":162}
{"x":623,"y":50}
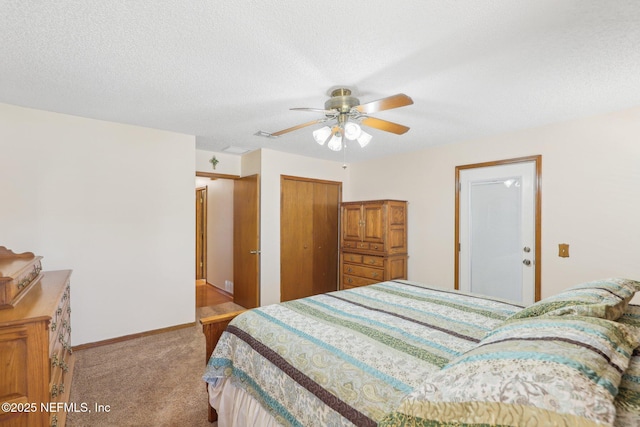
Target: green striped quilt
{"x":348,"y":357}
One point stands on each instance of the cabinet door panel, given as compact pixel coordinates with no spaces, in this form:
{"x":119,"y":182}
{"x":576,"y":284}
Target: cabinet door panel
{"x":352,"y":222}
{"x":373,"y":223}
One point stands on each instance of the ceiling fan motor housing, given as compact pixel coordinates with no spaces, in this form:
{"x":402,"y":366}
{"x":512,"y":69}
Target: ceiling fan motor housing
{"x":342,"y":101}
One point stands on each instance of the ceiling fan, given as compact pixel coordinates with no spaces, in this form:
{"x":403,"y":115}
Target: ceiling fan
{"x":348,"y":114}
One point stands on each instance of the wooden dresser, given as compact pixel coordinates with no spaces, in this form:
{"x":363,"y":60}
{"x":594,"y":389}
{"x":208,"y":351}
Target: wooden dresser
{"x":373,"y":242}
{"x":36,"y":361}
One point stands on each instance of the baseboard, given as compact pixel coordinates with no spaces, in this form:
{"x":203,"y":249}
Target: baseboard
{"x":222,"y":291}
{"x":131,"y":337}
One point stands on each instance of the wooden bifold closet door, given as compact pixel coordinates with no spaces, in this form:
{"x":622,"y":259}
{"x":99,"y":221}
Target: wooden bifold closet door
{"x":309,"y":233}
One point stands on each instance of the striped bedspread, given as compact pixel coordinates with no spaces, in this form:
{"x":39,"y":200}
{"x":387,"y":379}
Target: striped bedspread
{"x":348,"y":357}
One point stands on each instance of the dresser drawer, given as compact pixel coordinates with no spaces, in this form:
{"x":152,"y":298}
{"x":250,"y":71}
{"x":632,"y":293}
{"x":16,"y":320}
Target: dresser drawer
{"x":355,"y":258}
{"x":349,"y":281}
{"x":373,"y":261}
{"x":372,"y":273}
{"x":349,"y":244}
{"x":376,"y":247}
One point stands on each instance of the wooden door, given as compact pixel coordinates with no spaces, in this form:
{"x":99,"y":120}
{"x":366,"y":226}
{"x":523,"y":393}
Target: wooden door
{"x":201,"y":233}
{"x":246,"y":242}
{"x":296,"y":239}
{"x":326,"y":211}
{"x":308,"y":237}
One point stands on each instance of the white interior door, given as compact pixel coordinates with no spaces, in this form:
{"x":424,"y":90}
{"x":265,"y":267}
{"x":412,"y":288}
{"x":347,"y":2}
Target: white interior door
{"x":497,"y":231}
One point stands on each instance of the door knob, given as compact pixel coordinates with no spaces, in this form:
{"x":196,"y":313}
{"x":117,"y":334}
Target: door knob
{"x":254,"y":252}
{"x":526,"y":262}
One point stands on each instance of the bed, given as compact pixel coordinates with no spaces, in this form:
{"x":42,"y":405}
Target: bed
{"x":403,"y":353}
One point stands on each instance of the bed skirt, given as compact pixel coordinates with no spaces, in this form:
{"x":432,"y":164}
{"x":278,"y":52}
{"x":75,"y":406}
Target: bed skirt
{"x":240,"y":409}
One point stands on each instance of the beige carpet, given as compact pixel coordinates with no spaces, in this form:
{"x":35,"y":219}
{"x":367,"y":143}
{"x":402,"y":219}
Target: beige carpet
{"x":150,"y":381}
{"x":225,"y":307}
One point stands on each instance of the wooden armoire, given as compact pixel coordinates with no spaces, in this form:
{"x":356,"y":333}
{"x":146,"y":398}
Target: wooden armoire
{"x":309,"y":235}
{"x":373,"y":242}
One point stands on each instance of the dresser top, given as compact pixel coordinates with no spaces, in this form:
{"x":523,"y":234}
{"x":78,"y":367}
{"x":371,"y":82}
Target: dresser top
{"x":11,"y":263}
{"x":40,"y":301}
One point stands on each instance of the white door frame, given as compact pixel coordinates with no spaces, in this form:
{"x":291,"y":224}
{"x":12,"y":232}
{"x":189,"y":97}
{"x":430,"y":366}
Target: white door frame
{"x":538,"y":196}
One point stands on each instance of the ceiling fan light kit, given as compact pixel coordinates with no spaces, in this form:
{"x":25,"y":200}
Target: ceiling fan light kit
{"x":322,"y":135}
{"x":347,"y":111}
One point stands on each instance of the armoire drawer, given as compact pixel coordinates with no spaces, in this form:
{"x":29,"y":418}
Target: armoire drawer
{"x":349,"y":281}
{"x":372,"y":273}
{"x":373,"y":261}
{"x":354,"y":258}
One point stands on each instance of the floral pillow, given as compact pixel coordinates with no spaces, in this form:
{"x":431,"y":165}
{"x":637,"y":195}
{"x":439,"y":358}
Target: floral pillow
{"x":552,"y":370}
{"x":606,"y":299}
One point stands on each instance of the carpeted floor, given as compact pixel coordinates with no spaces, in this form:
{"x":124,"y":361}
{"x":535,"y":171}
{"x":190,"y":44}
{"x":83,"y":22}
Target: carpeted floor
{"x":150,"y":381}
{"x":218,"y":309}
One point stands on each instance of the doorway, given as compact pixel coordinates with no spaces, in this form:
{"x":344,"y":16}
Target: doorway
{"x":201,"y":233}
{"x":222,"y":220}
{"x":497,"y":234}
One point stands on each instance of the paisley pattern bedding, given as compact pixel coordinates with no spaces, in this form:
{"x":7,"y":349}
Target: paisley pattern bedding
{"x":628,"y":399}
{"x":529,"y":372}
{"x":606,"y":299}
{"x":349,"y":357}
{"x":401,"y":353}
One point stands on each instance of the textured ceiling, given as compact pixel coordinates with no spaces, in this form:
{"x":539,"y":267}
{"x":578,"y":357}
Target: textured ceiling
{"x":222,"y":70}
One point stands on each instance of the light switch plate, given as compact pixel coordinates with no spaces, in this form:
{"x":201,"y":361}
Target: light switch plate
{"x":563,"y":250}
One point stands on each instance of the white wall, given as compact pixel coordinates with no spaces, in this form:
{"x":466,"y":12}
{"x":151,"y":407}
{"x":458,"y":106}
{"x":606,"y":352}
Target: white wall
{"x":228,"y":164}
{"x":219,"y":230}
{"x":590,"y":197}
{"x":274,"y":164}
{"x":112,"y":202}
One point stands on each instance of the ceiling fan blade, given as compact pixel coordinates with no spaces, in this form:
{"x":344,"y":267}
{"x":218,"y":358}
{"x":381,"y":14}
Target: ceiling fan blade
{"x":317,"y":110}
{"x":394,"y":101}
{"x":291,"y":129}
{"x":384,"y":125}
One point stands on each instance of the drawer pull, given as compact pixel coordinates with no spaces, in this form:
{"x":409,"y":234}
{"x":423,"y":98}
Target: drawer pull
{"x":349,"y":269}
{"x":374,"y":275}
{"x":372,"y":261}
{"x":349,"y":280}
